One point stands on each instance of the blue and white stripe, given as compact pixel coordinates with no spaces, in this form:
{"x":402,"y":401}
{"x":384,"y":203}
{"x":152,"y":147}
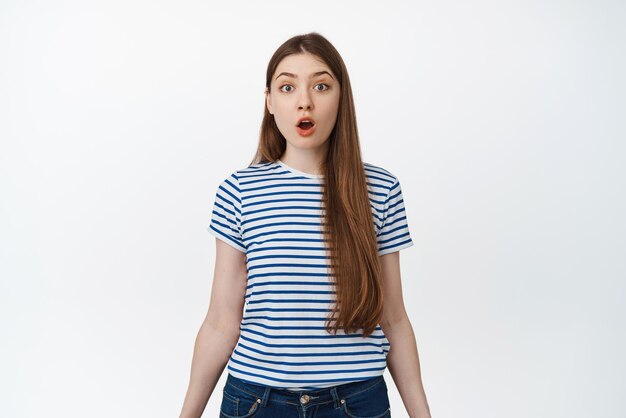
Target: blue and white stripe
{"x":272,"y":212}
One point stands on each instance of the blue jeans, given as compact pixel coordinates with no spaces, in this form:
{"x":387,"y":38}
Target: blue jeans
{"x":363,"y":399}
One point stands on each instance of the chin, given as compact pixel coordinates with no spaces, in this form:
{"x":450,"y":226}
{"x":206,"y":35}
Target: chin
{"x":305,"y":142}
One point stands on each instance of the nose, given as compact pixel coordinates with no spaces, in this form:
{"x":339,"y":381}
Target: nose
{"x":304,"y":101}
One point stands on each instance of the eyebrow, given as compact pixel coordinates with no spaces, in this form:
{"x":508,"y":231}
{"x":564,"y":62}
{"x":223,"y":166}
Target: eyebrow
{"x":311,"y":76}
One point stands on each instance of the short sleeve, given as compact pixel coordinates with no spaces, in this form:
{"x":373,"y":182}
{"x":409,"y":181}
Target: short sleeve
{"x":393,"y":234}
{"x":225,"y":221}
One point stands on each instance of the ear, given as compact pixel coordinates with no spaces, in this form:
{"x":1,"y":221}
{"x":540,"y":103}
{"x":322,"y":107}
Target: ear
{"x":268,"y":101}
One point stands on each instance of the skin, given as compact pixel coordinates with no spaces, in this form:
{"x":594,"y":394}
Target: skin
{"x":306,"y":94}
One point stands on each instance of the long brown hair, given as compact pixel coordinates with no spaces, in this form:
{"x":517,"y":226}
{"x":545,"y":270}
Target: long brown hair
{"x":349,"y":225}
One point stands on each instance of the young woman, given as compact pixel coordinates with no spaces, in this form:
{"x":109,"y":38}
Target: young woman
{"x":306,"y":307}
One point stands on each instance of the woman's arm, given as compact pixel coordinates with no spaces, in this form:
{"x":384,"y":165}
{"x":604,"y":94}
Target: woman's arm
{"x":219,"y":332}
{"x":402,"y":359}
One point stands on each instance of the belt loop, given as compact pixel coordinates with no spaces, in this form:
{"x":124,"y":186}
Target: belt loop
{"x":266,"y":396}
{"x":333,"y":392}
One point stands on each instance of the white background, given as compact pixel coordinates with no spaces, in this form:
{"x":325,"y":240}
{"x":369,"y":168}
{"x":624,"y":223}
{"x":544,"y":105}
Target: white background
{"x":503,"y":120}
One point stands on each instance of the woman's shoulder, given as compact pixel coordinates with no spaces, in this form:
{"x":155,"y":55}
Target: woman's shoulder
{"x":378,"y":174}
{"x":252,"y":169}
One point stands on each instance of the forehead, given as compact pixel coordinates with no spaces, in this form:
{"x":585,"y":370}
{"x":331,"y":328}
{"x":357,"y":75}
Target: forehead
{"x":301,"y":65}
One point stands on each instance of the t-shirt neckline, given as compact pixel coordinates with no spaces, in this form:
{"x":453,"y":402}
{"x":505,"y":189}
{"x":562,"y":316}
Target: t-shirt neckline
{"x":298,"y":172}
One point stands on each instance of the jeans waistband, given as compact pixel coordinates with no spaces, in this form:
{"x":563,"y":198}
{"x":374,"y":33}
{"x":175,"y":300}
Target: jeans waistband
{"x":318,"y":396}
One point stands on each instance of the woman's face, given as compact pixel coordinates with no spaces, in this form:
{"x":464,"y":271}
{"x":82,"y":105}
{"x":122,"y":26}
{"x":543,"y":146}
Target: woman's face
{"x":304,"y":86}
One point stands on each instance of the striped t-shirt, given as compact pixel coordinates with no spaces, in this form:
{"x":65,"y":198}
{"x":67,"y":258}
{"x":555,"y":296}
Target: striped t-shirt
{"x":272,"y":213}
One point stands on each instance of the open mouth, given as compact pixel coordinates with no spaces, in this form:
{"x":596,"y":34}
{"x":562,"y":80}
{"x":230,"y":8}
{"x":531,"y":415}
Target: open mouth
{"x":305,"y":125}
